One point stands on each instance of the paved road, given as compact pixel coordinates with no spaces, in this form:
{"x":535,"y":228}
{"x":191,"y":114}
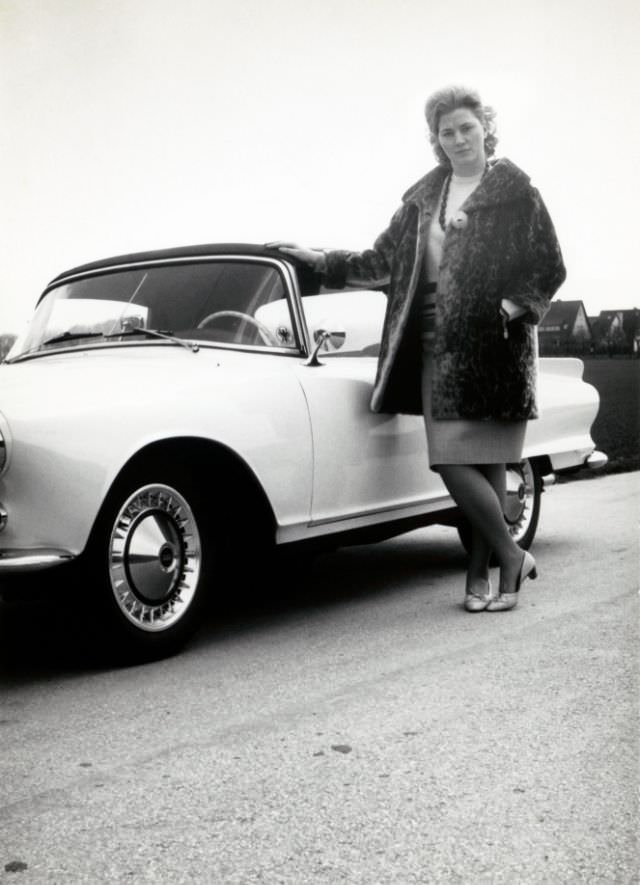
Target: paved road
{"x":364,"y":730}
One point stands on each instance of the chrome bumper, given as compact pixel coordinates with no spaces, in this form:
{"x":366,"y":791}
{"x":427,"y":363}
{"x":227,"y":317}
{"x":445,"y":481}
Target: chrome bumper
{"x":596,"y":460}
{"x":18,"y":561}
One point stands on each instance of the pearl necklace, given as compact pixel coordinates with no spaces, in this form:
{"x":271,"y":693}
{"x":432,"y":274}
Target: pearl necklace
{"x":443,"y":207}
{"x":445,"y":197}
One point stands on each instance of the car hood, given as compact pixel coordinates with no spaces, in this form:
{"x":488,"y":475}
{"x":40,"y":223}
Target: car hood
{"x":88,"y":379}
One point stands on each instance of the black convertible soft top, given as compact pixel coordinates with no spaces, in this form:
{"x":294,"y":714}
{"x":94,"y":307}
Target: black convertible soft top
{"x":250,"y":249}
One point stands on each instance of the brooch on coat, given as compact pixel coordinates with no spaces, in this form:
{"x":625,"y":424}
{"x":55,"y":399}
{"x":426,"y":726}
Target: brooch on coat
{"x":459,"y":219}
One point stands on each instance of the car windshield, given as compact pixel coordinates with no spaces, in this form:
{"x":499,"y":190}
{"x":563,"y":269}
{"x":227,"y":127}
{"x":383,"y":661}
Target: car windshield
{"x":231,"y":302}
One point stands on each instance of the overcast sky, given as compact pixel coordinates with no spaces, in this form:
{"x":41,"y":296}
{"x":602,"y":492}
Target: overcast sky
{"x":141,"y":124}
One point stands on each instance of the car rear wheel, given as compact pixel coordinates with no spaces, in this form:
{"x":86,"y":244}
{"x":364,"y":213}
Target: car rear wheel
{"x":522,"y":506}
{"x":149,"y":557}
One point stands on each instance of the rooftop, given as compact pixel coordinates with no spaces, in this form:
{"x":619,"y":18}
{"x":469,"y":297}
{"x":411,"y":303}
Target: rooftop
{"x":199,"y":251}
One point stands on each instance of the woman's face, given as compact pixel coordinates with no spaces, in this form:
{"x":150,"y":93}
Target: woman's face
{"x":461,"y":136}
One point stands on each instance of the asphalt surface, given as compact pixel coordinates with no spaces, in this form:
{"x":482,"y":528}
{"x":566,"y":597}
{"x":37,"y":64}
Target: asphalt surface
{"x":357,"y":727}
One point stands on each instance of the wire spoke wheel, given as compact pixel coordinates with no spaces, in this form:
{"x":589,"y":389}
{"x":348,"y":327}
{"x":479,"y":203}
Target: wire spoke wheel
{"x":154,"y":557}
{"x":522,"y":500}
{"x":150,"y":563}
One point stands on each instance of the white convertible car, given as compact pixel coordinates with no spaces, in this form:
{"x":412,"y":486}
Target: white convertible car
{"x":167,"y":411}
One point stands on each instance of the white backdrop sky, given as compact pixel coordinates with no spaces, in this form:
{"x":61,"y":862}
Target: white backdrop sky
{"x":141,"y":124}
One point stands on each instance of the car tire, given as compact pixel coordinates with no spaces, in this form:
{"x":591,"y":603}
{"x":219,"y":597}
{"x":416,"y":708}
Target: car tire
{"x":147,"y":565}
{"x":522,"y":510}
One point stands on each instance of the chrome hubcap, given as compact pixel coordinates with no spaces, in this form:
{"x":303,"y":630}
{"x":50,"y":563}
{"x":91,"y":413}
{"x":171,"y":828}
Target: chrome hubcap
{"x":154,"y":557}
{"x":518,"y":509}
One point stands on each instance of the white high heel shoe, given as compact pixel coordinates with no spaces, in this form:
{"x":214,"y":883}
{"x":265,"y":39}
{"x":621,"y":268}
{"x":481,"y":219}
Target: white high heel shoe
{"x":506,"y":601}
{"x":475,"y":603}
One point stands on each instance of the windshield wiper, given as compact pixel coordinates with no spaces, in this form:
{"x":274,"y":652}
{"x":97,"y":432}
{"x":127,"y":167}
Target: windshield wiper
{"x":123,"y":333}
{"x":153,"y":333}
{"x":69,"y":336}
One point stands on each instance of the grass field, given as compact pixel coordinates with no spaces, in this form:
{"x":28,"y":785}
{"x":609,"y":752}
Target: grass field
{"x":616,"y":430}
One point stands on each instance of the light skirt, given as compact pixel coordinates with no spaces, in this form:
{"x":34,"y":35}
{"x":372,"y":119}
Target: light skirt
{"x":466,"y":441}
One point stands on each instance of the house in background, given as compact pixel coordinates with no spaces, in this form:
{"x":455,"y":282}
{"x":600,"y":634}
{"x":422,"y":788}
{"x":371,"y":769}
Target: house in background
{"x":565,"y":329}
{"x":6,"y":343}
{"x":631,"y":326}
{"x":617,"y":332}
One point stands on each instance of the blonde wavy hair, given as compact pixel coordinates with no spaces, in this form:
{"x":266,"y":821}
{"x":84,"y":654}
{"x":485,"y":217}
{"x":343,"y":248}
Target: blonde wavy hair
{"x":449,"y":99}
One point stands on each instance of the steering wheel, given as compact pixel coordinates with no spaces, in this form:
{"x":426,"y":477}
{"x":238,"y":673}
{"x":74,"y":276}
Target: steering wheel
{"x":266,"y":334}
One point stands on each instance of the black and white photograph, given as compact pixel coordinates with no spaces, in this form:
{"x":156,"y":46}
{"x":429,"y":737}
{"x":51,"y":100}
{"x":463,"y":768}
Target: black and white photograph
{"x":319,"y":442}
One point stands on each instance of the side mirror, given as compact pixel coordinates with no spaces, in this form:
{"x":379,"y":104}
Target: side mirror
{"x":327,"y":341}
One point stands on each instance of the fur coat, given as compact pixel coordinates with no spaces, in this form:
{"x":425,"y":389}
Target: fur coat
{"x":501,"y":244}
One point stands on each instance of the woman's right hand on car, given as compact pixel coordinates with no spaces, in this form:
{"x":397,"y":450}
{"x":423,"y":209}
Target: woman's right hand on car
{"x":315,"y":258}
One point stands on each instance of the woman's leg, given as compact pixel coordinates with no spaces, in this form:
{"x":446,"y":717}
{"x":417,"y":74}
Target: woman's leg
{"x":497,"y":476}
{"x":478,"y":564}
{"x":480,"y":552}
{"x":479,"y":493}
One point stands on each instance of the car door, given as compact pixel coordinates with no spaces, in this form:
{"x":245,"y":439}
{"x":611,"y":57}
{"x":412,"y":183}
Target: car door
{"x":366,"y":465}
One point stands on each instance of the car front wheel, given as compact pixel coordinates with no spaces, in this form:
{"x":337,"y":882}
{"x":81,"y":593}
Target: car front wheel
{"x":149,"y":556}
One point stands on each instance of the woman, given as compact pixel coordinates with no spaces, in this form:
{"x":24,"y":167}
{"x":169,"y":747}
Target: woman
{"x":471,"y":261}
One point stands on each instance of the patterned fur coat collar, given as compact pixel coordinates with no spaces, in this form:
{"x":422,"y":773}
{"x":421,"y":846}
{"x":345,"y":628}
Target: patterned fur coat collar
{"x":504,"y":246}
